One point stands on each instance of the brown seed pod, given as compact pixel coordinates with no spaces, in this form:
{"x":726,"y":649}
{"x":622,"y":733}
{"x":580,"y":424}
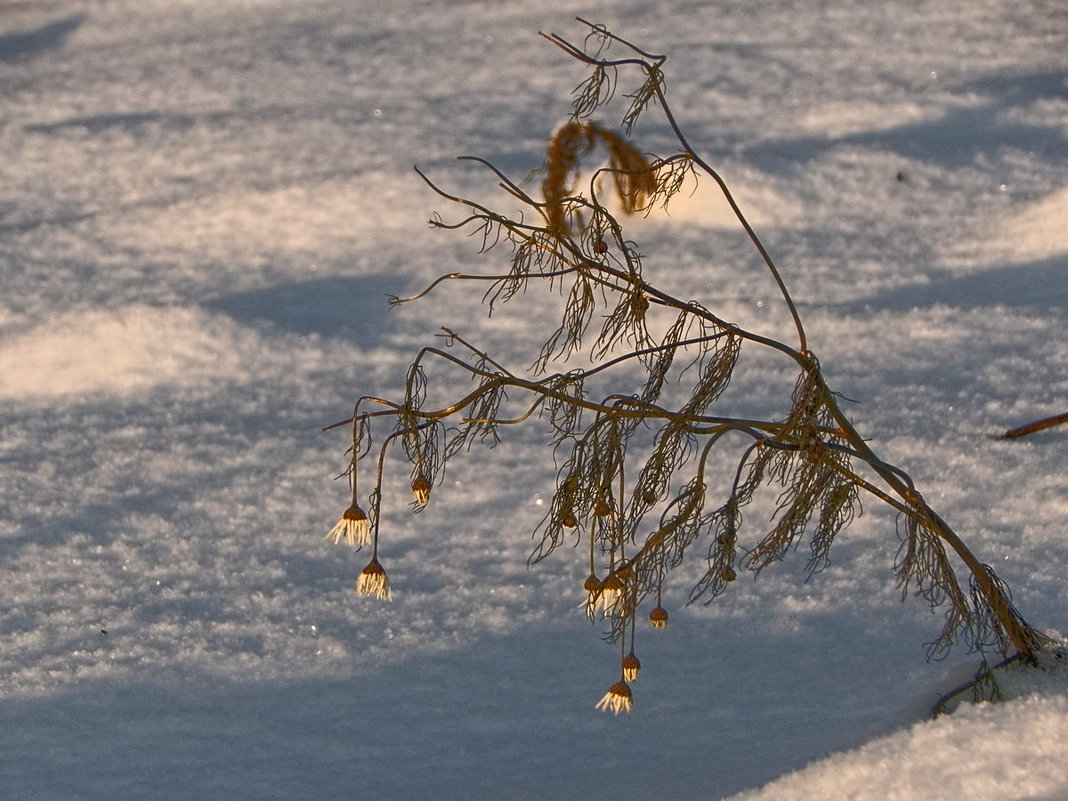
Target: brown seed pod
{"x":421,"y":489}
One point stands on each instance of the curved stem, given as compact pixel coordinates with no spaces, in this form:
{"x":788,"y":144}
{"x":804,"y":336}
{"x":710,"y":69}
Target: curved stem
{"x":750,"y":232}
{"x":1023,"y":639}
{"x":941,"y":706}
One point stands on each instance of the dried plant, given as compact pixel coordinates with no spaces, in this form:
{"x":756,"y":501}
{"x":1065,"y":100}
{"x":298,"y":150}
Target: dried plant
{"x":635,"y":477}
{"x":1037,"y":425}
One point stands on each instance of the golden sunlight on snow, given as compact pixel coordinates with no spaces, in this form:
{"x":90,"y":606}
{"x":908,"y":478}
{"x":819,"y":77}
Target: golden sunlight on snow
{"x":129,"y":349}
{"x":844,"y":118}
{"x":763,"y":205}
{"x":1037,"y":231}
{"x":323,"y":217}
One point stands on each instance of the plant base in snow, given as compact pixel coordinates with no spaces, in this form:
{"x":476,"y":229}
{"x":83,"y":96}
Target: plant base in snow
{"x":987,"y":685}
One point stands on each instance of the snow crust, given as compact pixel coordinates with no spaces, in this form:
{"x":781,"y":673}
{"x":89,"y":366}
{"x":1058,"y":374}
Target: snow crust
{"x":203,"y":207}
{"x":948,"y":759}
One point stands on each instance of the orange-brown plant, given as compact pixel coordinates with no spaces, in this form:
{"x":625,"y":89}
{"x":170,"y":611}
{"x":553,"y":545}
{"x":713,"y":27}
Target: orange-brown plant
{"x":635,"y":183}
{"x":642,"y":502}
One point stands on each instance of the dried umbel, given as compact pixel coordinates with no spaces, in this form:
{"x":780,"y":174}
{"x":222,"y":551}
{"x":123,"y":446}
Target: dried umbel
{"x":373,"y":581}
{"x":603,"y":508}
{"x":619,"y":698}
{"x":593,"y":587}
{"x":421,"y":490}
{"x":353,"y":527}
{"x":612,"y":591}
{"x":652,"y":471}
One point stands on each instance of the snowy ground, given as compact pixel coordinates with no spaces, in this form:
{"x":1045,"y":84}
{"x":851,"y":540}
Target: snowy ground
{"x":202,"y":207}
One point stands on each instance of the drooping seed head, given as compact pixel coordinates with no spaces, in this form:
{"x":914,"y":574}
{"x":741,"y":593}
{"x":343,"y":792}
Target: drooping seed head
{"x":373,"y":581}
{"x":612,"y":593}
{"x":353,"y":527}
{"x":421,"y":489}
{"x":658,"y":618}
{"x":592,"y":585}
{"x":618,"y":699}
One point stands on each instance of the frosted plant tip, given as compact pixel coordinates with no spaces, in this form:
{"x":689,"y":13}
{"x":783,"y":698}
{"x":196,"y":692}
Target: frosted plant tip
{"x":353,"y":527}
{"x":618,"y":699}
{"x":373,"y":581}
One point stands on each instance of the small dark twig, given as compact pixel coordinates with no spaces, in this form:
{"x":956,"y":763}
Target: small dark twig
{"x":941,"y":706}
{"x":1038,"y":425}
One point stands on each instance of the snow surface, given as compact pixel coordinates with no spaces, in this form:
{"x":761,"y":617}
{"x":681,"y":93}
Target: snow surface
{"x":202,"y":208}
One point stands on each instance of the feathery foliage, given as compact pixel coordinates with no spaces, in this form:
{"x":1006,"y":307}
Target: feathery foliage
{"x":635,"y":477}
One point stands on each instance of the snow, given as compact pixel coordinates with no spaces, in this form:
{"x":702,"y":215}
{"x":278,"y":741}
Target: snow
{"x":117,"y":352}
{"x":950,"y":757}
{"x":203,"y":206}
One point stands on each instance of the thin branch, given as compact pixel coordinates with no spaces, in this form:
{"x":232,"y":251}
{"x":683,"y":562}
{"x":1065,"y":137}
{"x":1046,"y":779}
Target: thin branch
{"x":942,"y":705}
{"x":1038,"y":425}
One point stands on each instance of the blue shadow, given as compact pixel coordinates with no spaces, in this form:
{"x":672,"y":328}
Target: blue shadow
{"x":344,"y":307}
{"x":27,"y":44}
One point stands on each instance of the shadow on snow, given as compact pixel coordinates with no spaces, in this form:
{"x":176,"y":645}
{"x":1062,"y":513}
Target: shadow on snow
{"x":507,"y":717}
{"x":958,"y":138}
{"x":46,"y":38}
{"x":353,"y":308}
{"x":1040,"y":284}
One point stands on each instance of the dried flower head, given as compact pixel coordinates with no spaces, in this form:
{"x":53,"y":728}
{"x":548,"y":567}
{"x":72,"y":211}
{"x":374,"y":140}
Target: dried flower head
{"x":658,"y":618}
{"x":728,"y":574}
{"x":634,"y":180}
{"x":612,"y":593}
{"x":603,"y":508}
{"x":618,"y":699}
{"x":631,"y":666}
{"x":421,"y":489}
{"x":373,"y":581}
{"x":353,"y":526}
{"x":592,"y":585}
{"x":568,"y":520}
